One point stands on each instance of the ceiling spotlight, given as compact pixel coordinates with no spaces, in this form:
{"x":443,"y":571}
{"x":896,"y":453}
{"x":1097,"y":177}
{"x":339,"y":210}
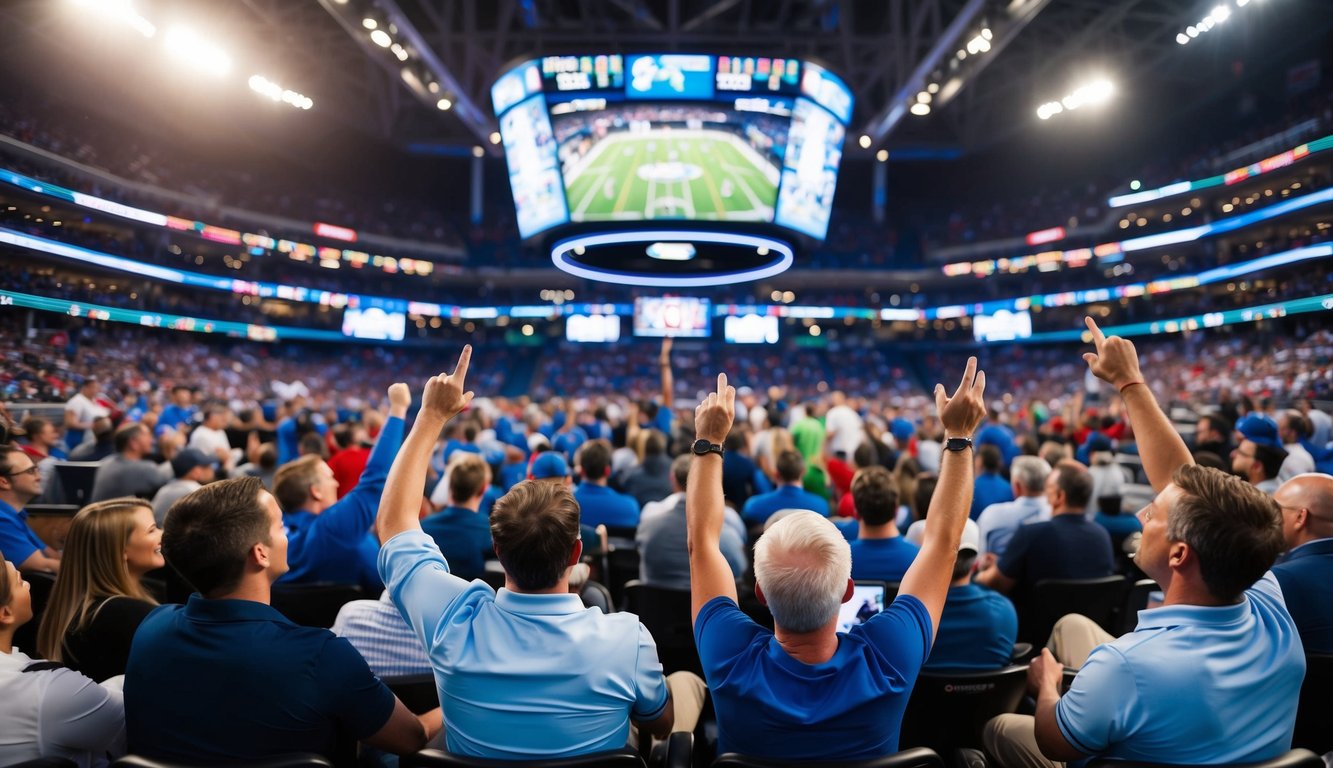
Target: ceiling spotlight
{"x":671,"y":251}
{"x":920,"y":110}
{"x":478,"y":152}
{"x":933,"y":88}
{"x":923,"y":97}
{"x":865,"y":141}
{"x":1182,"y":38}
{"x":381,"y":38}
{"x":444,"y":105}
{"x":882,"y":155}
{"x":369,"y":23}
{"x":433,"y":87}
{"x":495,"y":137}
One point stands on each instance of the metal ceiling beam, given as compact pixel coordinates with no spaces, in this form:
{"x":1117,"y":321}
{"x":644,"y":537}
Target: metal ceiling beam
{"x":883,"y":123}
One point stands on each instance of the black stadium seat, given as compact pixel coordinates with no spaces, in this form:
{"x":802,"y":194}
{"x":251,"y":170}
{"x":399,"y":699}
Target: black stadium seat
{"x":1314,"y":719}
{"x":666,"y":614}
{"x":948,"y":709}
{"x":1050,"y":599}
{"x":417,"y":692}
{"x":315,"y":604}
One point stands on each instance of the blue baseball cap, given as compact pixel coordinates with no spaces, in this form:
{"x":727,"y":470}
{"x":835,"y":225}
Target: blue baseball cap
{"x":1260,"y":430}
{"x":548,"y":464}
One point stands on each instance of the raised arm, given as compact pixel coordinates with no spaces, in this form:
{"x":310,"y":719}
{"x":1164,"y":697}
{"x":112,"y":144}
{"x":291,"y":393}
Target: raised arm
{"x":1160,"y":445}
{"x":932,"y":570}
{"x":710,"y":575}
{"x":443,"y":399}
{"x":668,"y":383}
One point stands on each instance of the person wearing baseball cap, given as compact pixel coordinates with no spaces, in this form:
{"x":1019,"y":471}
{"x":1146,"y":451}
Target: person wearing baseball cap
{"x":978,"y":626}
{"x":1259,"y":456}
{"x":550,"y":465}
{"x":193,"y":469}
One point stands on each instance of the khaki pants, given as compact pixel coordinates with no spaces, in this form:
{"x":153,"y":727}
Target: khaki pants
{"x":688,"y":692}
{"x":1011,"y":740}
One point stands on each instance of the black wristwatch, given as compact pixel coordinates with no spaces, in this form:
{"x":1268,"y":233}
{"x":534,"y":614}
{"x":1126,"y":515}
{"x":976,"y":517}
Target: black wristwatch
{"x":957,"y":443}
{"x":703,"y":448}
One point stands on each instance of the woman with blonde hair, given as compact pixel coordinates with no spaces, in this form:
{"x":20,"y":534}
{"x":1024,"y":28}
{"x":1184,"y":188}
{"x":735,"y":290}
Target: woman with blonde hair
{"x":98,"y":600}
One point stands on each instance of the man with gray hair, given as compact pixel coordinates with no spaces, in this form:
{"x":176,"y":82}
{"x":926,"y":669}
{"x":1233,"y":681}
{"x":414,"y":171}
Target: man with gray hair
{"x":998,"y":522}
{"x":784,"y":694}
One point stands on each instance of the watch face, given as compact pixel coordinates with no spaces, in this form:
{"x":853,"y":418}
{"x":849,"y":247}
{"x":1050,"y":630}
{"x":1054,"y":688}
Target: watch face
{"x":702,"y":447}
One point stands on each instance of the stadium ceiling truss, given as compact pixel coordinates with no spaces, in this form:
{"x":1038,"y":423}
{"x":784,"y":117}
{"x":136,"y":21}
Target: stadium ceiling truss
{"x":886,"y":50}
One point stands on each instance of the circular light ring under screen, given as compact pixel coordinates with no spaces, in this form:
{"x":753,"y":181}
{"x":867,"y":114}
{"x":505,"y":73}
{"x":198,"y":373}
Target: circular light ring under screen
{"x":563,"y":256}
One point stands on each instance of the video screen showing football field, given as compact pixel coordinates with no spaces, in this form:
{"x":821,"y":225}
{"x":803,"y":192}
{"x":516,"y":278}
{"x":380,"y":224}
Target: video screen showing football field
{"x":671,"y":163}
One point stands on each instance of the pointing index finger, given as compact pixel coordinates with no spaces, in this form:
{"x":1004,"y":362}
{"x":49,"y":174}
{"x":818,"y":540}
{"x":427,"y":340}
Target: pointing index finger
{"x":721,"y":385}
{"x":464,"y":358}
{"x":1097,"y":336}
{"x":969,"y":375}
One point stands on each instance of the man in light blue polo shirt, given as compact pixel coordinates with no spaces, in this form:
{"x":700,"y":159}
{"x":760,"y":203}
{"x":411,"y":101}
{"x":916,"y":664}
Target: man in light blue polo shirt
{"x":1210,"y":678}
{"x":526,"y":672}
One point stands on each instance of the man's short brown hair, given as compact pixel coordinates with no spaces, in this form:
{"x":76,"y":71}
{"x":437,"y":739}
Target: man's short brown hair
{"x":468,"y":476}
{"x":534,"y":528}
{"x":875,"y":495}
{"x":293,"y":480}
{"x":208,"y":533}
{"x":1234,"y":528}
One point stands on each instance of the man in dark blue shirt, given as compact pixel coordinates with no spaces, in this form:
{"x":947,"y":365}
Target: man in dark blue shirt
{"x":990,"y":488}
{"x":331,"y":538}
{"x":1307,"y":569}
{"x":462,"y":532}
{"x":978,"y":626}
{"x":226,"y":678}
{"x":789,"y":495}
{"x":879,"y":552}
{"x":1068,"y":546}
{"x":599,"y":504}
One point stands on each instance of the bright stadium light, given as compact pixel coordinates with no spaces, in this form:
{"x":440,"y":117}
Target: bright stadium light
{"x":267,"y":88}
{"x":495,"y":137}
{"x":444,"y":104}
{"x":1182,"y":38}
{"x":1218,"y":15}
{"x":864,"y":141}
{"x":381,"y":38}
{"x":920,"y":109}
{"x":882,"y":156}
{"x":188,"y":46}
{"x":369,"y":23}
{"x":1093,"y":94}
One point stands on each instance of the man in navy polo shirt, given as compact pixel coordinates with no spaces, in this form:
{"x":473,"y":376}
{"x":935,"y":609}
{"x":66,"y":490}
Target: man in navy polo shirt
{"x":804,"y":692}
{"x":20,"y":483}
{"x":1210,"y":678}
{"x":226,"y":678}
{"x":598,"y":504}
{"x":788,"y":495}
{"x":1068,"y":546}
{"x":330,"y":537}
{"x":1307,"y":569}
{"x":525,"y":671}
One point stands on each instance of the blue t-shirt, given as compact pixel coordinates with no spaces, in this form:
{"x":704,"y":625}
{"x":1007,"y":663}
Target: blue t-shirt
{"x":847,"y":708}
{"x":759,"y":508}
{"x":977,"y":630}
{"x":599,"y":505}
{"x":989,"y":488}
{"x":463,"y":537}
{"x":233,"y":681}
{"x":173,"y":417}
{"x":882,"y":559}
{"x":1192,"y":685}
{"x":17,"y":540}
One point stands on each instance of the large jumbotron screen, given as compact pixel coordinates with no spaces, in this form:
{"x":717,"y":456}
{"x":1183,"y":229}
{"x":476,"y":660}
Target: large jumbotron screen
{"x":672,"y":137}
